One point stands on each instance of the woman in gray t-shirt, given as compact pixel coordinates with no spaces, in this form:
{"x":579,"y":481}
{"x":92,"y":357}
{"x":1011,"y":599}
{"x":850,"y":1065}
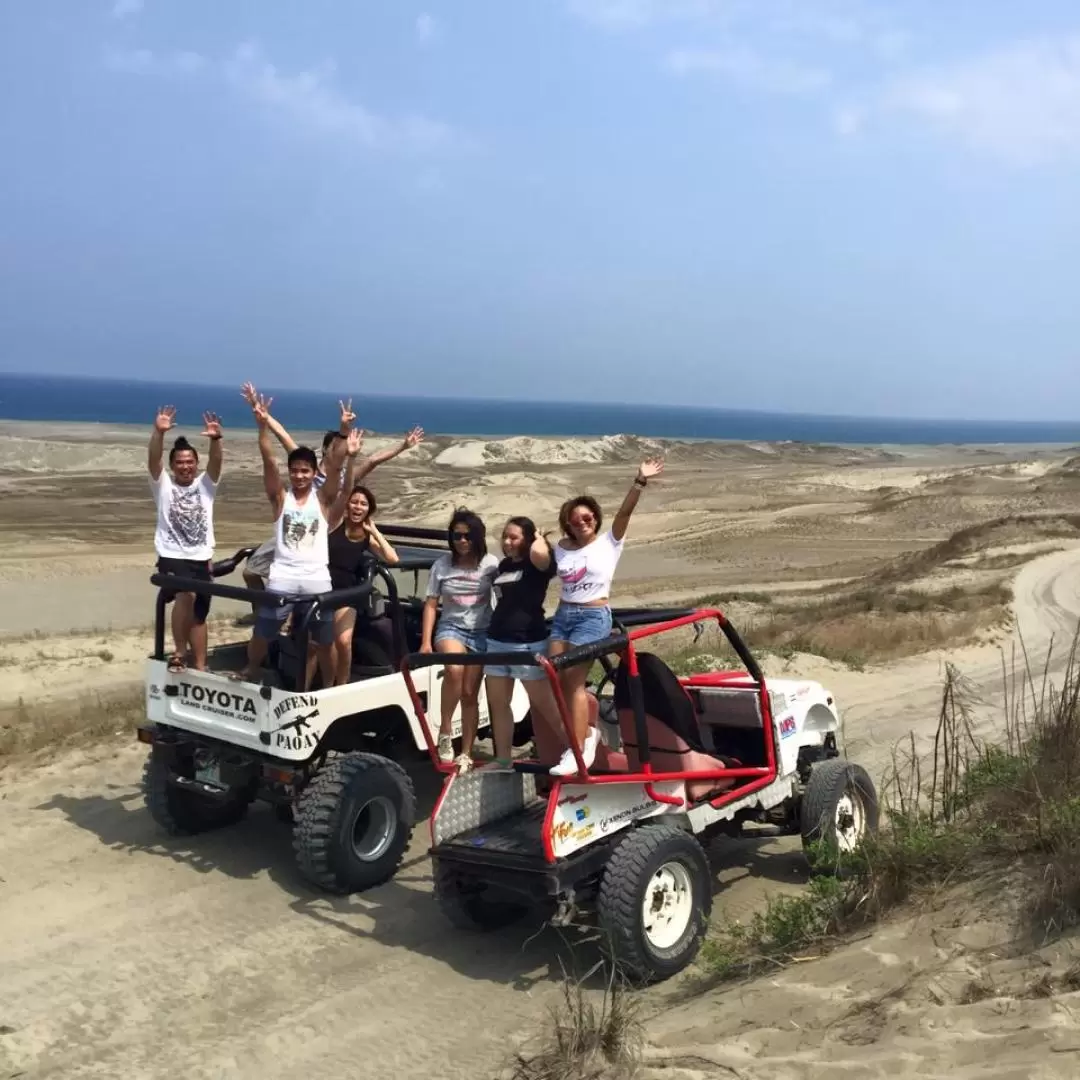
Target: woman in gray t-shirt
{"x":461,"y":579}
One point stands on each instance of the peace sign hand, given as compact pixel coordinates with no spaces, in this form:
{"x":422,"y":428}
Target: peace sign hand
{"x":347,"y":415}
{"x":165,"y":419}
{"x":261,"y":408}
{"x":211,"y":425}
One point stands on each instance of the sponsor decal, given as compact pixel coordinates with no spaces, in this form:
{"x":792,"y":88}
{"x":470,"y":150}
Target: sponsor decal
{"x":155,"y":692}
{"x":562,"y":831}
{"x":583,"y":833}
{"x":221,"y":702}
{"x":571,"y":799}
{"x":787,"y":727}
{"x":582,"y":813}
{"x":623,"y":816}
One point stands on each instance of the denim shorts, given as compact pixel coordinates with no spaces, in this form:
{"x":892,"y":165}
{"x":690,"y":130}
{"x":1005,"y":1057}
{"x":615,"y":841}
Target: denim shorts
{"x":473,"y":640}
{"x":580,"y":625}
{"x":524,"y":672}
{"x":268,"y":622}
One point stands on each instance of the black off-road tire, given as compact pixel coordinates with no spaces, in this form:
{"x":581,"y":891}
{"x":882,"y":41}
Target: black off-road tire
{"x":627,"y":876}
{"x":831,"y":781}
{"x":181,"y":812}
{"x":466,"y":904}
{"x":355,"y":793}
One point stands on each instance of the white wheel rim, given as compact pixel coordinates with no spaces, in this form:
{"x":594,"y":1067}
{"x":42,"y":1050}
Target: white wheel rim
{"x":849,"y":822}
{"x":668,"y":905}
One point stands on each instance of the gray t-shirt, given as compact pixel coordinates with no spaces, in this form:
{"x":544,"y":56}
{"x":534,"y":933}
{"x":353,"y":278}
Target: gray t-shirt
{"x":465,"y":591}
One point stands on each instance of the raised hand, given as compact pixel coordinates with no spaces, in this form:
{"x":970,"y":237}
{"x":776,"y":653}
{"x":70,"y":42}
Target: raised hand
{"x":353,"y":441}
{"x":347,"y":415}
{"x":261,"y":408}
{"x":165,"y":419}
{"x":414,"y":437}
{"x":211,"y":425}
{"x":648,"y":469}
{"x":248,"y":393}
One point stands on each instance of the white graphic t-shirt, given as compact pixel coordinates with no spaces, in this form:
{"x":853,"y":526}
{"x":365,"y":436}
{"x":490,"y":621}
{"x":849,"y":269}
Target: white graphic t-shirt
{"x":466,"y":593}
{"x":586,"y":573}
{"x":185,"y":517}
{"x":301,"y":552}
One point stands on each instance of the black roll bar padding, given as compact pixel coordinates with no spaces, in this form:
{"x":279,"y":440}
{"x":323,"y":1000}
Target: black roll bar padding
{"x":593,"y":651}
{"x":743,"y":652}
{"x":397,"y":620}
{"x":433,"y":659}
{"x":176,"y":583}
{"x":641,"y":726}
{"x":415,"y":532}
{"x":226,"y":566}
{"x":644,"y":616}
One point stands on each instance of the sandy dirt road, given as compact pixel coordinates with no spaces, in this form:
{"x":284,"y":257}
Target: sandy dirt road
{"x":126,"y":955}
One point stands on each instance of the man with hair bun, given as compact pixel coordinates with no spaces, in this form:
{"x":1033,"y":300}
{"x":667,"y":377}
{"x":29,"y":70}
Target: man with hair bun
{"x":184,"y":536}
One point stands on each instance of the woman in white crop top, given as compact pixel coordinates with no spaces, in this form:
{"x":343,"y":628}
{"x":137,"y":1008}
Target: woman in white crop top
{"x":585,"y":560}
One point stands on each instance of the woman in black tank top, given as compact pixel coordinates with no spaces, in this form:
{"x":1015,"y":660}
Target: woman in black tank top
{"x":348,"y":543}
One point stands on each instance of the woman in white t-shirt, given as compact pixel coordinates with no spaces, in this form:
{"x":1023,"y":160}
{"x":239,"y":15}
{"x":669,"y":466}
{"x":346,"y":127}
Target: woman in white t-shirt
{"x":585,"y":560}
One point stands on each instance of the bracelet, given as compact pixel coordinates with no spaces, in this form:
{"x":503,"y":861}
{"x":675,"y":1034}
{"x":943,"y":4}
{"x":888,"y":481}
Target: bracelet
{"x":214,"y":438}
{"x":639,"y":482}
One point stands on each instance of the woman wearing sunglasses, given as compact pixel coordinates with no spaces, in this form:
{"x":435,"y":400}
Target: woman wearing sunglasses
{"x":462,"y":580}
{"x":585,"y":560}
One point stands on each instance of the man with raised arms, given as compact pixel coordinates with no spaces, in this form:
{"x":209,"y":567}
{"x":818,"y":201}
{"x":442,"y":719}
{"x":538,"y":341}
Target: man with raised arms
{"x":258,"y":566}
{"x":184,"y":536}
{"x":302,"y":512}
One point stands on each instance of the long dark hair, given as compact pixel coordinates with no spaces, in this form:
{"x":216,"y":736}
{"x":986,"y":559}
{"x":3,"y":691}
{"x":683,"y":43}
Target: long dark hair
{"x":528,"y":530}
{"x":477,"y":533}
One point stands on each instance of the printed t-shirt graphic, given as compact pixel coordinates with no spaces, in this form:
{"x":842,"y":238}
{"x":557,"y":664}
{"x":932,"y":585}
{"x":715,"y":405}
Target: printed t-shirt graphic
{"x":185,"y":524}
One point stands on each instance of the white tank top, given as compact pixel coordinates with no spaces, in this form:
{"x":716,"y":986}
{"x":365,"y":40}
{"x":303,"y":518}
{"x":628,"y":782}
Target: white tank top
{"x":301,"y":551}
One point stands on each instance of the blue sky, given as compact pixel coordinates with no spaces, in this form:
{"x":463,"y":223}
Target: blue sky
{"x":780,"y":204}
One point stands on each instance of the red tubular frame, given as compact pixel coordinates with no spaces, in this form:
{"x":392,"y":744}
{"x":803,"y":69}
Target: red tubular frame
{"x":761,"y":776}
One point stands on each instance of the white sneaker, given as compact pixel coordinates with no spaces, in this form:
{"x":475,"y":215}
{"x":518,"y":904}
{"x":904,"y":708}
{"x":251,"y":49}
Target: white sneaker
{"x":568,"y":765}
{"x":463,"y":764}
{"x":446,"y":749}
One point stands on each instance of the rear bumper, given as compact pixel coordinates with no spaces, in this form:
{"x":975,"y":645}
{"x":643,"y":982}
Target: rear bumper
{"x":526,"y":874}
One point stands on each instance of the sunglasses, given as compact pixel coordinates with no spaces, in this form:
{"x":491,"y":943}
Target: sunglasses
{"x":460,"y":535}
{"x":582,"y":519}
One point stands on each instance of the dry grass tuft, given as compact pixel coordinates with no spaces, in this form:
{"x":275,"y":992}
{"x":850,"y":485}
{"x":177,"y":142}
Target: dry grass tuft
{"x":976,"y":809}
{"x":586,"y":1039}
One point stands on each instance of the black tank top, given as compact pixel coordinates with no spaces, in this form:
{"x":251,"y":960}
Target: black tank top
{"x":346,"y":557}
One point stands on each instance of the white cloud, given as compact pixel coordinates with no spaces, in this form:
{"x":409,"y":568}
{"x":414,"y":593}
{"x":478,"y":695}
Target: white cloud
{"x":746,"y":68}
{"x":124,"y":9}
{"x":1020,"y":103}
{"x":427,"y":28}
{"x":145,"y":62}
{"x":620,"y":14}
{"x":309,"y":99}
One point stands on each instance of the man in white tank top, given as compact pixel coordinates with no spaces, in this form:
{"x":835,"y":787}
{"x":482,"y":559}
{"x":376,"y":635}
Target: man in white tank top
{"x":302,"y":510}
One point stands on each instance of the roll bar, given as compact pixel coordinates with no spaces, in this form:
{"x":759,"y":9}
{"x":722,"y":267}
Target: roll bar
{"x":647,"y":623}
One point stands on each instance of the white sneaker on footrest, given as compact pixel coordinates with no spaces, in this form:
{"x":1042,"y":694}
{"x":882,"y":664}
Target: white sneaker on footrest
{"x":568,"y":765}
{"x":446,"y":749}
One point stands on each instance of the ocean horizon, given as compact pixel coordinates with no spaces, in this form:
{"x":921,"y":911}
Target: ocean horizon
{"x":78,"y":399}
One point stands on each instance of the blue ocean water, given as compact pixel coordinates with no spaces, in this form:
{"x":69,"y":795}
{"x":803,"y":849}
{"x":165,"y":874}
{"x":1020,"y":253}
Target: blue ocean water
{"x":77,"y":399}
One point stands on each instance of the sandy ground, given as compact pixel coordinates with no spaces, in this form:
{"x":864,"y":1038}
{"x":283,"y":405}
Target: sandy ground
{"x":127,"y":954}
